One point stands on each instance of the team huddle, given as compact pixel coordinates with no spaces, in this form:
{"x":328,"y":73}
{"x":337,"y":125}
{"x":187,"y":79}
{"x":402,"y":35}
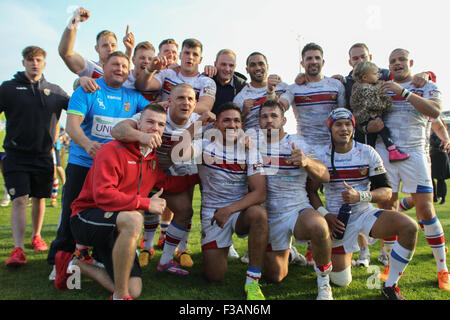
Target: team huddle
{"x":143,"y":138}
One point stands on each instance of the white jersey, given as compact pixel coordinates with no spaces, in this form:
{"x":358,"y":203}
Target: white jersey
{"x":203,"y":85}
{"x":223,"y":173}
{"x":286,"y":183}
{"x":312,"y":103}
{"x":354,"y":167}
{"x":91,"y":69}
{"x":409,"y":128}
{"x":170,"y":136}
{"x":151,"y":96}
{"x":259,"y":95}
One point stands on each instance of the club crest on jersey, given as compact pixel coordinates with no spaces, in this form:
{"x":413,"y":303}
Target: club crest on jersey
{"x":333,"y":97}
{"x":363,"y":171}
{"x":108,"y":215}
{"x":47,"y":92}
{"x":242,"y":165}
{"x":126,"y":106}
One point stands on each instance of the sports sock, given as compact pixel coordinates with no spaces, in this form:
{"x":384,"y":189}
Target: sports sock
{"x":253,"y":274}
{"x":435,"y":237}
{"x":388,"y":244}
{"x":403,"y":205}
{"x":184,"y":242}
{"x":55,"y":189}
{"x":151,"y":222}
{"x":400,"y":257}
{"x":173,"y":237}
{"x":163,"y":228}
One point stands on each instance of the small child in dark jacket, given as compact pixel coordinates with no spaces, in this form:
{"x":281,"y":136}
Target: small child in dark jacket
{"x":368,"y":102}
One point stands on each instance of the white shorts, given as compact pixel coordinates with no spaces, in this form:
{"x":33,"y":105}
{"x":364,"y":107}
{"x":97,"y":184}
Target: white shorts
{"x":361,"y":223}
{"x":215,"y":237}
{"x":281,"y":229}
{"x":414,"y":173}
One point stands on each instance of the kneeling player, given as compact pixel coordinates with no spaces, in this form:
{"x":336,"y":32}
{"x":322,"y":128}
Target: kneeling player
{"x":357,"y":178}
{"x":288,"y":161}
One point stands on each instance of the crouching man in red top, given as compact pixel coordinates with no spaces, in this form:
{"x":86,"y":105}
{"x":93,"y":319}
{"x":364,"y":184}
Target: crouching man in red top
{"x":108,"y":213}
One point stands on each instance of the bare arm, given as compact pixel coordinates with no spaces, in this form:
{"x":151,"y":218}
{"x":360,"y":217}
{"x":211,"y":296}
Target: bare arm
{"x":72,"y":59}
{"x":257,"y":195}
{"x":75,"y":132}
{"x":204,"y":104}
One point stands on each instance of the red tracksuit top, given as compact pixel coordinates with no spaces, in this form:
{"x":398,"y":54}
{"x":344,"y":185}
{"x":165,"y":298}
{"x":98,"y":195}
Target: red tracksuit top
{"x":121,"y":178}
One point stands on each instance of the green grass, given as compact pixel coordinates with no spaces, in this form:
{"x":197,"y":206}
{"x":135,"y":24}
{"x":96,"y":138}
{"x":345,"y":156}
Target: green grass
{"x":31,"y":281}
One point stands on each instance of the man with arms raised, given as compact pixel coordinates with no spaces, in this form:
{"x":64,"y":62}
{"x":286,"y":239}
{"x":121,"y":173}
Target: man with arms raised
{"x":156,"y":77}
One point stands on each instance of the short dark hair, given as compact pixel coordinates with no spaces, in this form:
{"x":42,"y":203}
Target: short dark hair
{"x":32,"y":51}
{"x":228,"y":106}
{"x":117,"y":54}
{"x":311,"y":46}
{"x":192,"y":43}
{"x":155,"y":107}
{"x":255,"y":53}
{"x":272,"y":104}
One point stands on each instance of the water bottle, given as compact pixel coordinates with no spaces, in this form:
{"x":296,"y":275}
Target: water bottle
{"x":344,"y":213}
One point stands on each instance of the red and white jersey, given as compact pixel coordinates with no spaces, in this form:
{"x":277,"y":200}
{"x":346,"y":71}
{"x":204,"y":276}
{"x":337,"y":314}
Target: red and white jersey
{"x":259,"y":95}
{"x":410,"y":129}
{"x":354,"y":167}
{"x":312,"y":103}
{"x":170,"y":136}
{"x":203,"y":85}
{"x":224,"y":172}
{"x":91,"y":69}
{"x":151,"y":96}
{"x":286,"y":182}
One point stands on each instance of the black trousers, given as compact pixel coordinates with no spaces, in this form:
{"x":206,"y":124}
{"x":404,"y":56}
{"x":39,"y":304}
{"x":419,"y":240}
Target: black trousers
{"x":64,"y":239}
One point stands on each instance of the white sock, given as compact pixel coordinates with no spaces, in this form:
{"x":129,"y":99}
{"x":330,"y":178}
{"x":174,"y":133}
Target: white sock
{"x":399,"y":259}
{"x":435,"y":237}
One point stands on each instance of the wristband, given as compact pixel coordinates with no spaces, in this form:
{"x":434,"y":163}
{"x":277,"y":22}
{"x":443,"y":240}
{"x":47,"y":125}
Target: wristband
{"x":405,"y":93}
{"x":365,"y":196}
{"x":271,"y":95}
{"x":322,"y":211}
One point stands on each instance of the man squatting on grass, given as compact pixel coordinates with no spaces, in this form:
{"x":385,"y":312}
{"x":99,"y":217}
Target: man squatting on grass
{"x":108,"y":213}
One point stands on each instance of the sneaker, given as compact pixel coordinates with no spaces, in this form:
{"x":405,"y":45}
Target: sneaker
{"x":392,"y":293}
{"x":52,"y":274}
{"x":309,"y":258}
{"x":383,"y":258}
{"x":443,"y":280}
{"x":172,"y":267}
{"x":83,"y":254}
{"x":253,"y":291}
{"x":232,"y":253}
{"x":395,"y":155}
{"x":383,"y":276}
{"x":185,"y":259}
{"x":17,"y":258}
{"x":6,"y":200}
{"x":245,"y":259}
{"x":145,"y":256}
{"x":364,"y":257}
{"x":323,"y":288}
{"x":38,"y":243}
{"x":62,"y":260}
{"x":161,"y":242}
{"x":297,"y":258}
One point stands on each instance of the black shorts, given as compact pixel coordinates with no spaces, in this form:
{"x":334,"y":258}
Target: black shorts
{"x":97,"y":228}
{"x":26,"y":175}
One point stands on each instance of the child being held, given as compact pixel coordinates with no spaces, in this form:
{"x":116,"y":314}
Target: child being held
{"x":368,"y":102}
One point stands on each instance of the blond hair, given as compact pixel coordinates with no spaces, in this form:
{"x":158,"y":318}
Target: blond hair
{"x":361,"y":69}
